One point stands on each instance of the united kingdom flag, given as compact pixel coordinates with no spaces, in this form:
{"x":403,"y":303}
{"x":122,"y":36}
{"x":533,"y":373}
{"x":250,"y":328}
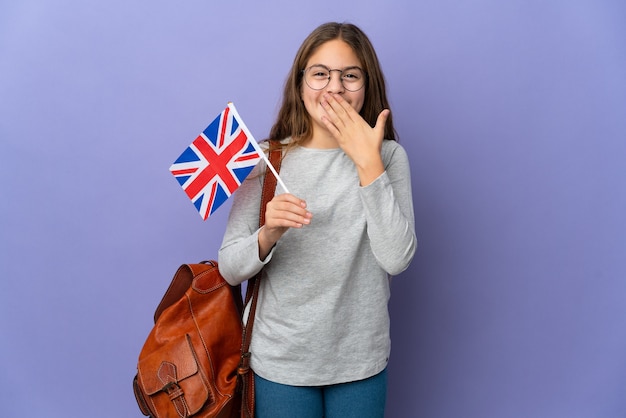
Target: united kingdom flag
{"x":217,"y":162}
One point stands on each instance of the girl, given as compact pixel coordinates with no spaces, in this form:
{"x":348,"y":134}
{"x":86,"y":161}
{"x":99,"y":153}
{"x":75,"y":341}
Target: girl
{"x":320,"y":343}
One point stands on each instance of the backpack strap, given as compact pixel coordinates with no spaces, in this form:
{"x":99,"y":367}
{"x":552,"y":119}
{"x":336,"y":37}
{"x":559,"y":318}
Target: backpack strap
{"x":252,"y":291}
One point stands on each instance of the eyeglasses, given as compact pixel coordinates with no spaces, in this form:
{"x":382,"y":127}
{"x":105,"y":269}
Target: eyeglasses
{"x":317,"y":77}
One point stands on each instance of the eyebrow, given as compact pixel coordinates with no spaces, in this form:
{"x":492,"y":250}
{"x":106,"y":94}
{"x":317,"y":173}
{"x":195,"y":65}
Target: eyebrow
{"x":349,"y":67}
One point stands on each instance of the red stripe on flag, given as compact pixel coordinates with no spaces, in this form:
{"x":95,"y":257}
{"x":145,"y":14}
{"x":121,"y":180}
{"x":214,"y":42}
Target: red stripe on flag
{"x":185,"y":171}
{"x":248,"y":157}
{"x":223,"y":131}
{"x":212,"y":199}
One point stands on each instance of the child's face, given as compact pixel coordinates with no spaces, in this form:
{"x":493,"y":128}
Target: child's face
{"x":335,"y":55}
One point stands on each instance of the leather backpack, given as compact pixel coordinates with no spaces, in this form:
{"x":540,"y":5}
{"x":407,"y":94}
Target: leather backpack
{"x":195,"y":361}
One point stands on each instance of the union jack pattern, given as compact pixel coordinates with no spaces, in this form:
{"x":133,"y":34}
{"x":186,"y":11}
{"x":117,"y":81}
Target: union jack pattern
{"x":216,"y":162}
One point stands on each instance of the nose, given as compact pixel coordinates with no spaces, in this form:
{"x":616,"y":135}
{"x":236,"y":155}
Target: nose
{"x":335,"y":84}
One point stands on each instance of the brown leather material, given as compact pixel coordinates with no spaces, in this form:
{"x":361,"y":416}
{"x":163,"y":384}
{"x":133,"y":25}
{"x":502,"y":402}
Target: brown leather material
{"x":196,"y":361}
{"x":269,"y":182}
{"x":188,"y":365}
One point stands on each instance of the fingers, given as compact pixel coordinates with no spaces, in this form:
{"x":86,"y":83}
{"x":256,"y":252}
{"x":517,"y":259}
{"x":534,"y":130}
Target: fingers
{"x":339,"y":111}
{"x":281,"y":213}
{"x":341,"y":120}
{"x":381,"y":121}
{"x":340,"y":115}
{"x":287,"y":211}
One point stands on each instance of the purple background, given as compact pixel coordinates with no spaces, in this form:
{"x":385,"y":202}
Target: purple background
{"x":514,"y":117}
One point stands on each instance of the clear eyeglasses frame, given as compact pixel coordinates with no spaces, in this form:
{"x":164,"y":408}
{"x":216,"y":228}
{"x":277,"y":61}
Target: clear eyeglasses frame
{"x":317,"y":77}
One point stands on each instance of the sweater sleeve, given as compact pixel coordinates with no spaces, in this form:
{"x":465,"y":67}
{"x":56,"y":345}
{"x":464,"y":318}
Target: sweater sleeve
{"x":388,"y":205}
{"x":238,"y":257}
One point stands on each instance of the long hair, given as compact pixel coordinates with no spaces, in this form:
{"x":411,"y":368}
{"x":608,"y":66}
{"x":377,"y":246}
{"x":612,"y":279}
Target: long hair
{"x":294,"y":121}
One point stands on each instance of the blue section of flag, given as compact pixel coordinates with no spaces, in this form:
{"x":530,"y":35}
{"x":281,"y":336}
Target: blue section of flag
{"x":220,"y":197}
{"x":198,"y":203}
{"x":212,"y":131}
{"x":182,"y":179}
{"x":242,"y":173}
{"x":187,"y":156}
{"x":235,"y":126}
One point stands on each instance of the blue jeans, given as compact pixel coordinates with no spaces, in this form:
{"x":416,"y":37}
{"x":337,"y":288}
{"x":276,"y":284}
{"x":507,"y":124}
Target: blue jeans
{"x":360,"y":399}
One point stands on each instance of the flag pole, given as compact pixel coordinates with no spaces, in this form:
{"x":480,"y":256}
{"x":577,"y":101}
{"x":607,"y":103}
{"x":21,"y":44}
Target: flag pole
{"x":255,"y":144}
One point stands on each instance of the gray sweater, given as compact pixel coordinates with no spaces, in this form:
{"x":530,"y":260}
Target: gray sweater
{"x":322,"y":313}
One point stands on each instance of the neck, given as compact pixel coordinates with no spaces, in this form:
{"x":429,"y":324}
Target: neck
{"x":321,"y":139}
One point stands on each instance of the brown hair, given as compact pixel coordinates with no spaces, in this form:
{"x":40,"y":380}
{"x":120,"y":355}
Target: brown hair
{"x":293,"y":119}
